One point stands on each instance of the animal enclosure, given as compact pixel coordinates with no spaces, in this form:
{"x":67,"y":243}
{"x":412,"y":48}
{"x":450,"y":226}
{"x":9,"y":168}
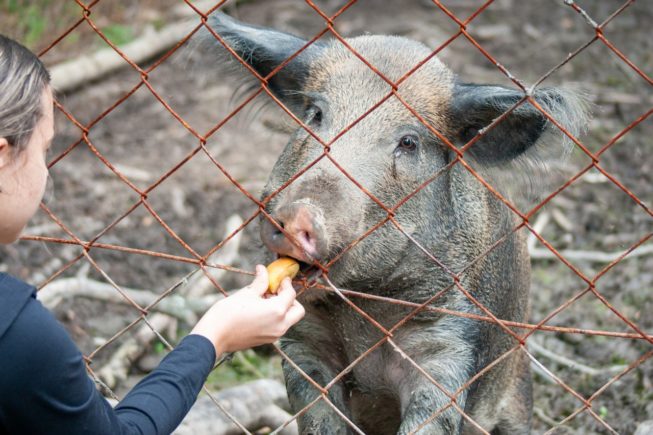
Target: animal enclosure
{"x":159,"y":164}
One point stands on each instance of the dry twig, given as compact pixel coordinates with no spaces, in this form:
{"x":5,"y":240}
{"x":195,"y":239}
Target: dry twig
{"x":258,"y":404}
{"x":574,"y":365}
{"x":592,"y":256}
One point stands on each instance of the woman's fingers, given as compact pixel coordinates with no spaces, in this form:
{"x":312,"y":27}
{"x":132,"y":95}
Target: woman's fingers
{"x":286,"y":296}
{"x":295,"y":313}
{"x":260,"y":283}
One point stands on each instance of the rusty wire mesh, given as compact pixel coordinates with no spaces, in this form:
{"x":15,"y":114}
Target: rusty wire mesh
{"x":200,"y":260}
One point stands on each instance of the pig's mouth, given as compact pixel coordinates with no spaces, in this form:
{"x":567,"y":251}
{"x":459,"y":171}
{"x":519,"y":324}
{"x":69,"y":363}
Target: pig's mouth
{"x":308,"y":271}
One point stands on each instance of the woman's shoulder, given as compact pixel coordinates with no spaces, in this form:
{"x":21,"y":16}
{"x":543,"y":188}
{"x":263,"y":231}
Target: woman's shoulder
{"x":32,"y":339}
{"x":42,"y":365}
{"x":10,"y":282}
{"x":14,"y":295}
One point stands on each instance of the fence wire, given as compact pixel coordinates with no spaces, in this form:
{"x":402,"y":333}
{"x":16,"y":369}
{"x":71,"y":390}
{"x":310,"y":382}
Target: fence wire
{"x":519,"y":331}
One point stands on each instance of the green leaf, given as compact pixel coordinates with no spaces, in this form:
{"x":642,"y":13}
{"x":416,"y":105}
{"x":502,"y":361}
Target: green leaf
{"x":118,"y":34}
{"x":159,"y":348}
{"x":35,"y":23}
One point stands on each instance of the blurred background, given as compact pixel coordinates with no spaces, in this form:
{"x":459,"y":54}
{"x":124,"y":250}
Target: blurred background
{"x":123,"y":131}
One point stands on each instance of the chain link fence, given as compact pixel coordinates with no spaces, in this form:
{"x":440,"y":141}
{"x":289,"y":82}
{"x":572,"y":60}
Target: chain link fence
{"x":153,"y":204}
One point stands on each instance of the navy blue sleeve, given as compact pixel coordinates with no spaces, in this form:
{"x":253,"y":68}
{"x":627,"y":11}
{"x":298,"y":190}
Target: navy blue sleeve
{"x":159,"y":402}
{"x":44,"y":386}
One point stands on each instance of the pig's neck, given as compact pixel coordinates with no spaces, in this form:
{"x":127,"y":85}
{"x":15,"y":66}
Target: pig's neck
{"x":405,"y":285}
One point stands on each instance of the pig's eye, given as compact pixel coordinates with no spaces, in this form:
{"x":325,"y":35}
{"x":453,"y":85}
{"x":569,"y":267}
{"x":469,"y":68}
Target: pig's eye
{"x":468,"y":134}
{"x":407,"y":144}
{"x":314,"y":115}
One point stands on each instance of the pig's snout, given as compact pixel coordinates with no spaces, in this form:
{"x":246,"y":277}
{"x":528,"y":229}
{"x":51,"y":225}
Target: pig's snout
{"x":303,"y":223}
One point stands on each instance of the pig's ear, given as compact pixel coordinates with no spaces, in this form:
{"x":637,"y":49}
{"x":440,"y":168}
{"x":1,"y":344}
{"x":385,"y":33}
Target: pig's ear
{"x":476,"y":106}
{"x":264,"y":50}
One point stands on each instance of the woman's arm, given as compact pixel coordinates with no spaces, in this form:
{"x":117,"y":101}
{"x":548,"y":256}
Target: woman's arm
{"x":44,"y":387}
{"x":159,"y":402}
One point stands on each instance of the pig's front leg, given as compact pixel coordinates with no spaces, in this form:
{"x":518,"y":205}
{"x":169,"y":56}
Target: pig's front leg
{"x":450,"y":365}
{"x":319,"y":418}
{"x":423,"y":403}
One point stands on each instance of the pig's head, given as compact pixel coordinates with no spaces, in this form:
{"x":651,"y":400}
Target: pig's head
{"x":388,"y":154}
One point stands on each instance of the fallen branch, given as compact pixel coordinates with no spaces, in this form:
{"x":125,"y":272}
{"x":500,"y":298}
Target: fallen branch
{"x":175,"y":305}
{"x":256,"y":405}
{"x":644,"y":428}
{"x":541,"y":222}
{"x":543,"y":374}
{"x":180,"y":304}
{"x":574,"y":365}
{"x":592,"y":256}
{"x":539,"y":413}
{"x":200,"y":284}
{"x":117,"y":369}
{"x":184,"y":305}
{"x":74,"y":73}
{"x":118,"y":366}
{"x":562,"y":220}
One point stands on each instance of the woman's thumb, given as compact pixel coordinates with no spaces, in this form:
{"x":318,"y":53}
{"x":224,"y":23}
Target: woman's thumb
{"x":260,"y":283}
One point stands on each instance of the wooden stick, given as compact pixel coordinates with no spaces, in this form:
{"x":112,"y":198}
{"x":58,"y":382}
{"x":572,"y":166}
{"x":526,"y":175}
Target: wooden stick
{"x":72,"y":74}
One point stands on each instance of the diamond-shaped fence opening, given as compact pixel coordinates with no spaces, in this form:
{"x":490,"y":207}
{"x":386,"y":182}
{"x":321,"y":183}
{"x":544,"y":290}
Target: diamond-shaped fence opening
{"x":160,"y":169}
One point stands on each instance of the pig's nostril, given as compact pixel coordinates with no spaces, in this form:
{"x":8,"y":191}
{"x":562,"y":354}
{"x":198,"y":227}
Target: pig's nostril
{"x":307,"y":239}
{"x":293,"y":233}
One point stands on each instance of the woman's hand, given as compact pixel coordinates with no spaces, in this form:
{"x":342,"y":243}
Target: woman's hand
{"x":247,"y":318}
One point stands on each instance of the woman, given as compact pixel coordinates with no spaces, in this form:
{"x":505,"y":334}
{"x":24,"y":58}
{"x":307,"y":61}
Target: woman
{"x":44,"y":387}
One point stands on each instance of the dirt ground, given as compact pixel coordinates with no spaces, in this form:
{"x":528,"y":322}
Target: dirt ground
{"x":593,"y":215}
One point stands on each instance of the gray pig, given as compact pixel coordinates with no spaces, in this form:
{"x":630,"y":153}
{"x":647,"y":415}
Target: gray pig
{"x":454,"y":219}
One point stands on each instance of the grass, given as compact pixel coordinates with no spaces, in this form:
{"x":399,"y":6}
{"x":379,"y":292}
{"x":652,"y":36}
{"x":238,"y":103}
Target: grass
{"x":34,"y":21}
{"x":118,"y":34}
{"x":244,"y":367}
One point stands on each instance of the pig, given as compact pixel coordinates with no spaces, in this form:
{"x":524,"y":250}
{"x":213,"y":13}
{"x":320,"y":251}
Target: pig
{"x":451,"y":234}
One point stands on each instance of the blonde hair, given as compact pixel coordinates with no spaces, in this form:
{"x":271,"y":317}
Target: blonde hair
{"x":23,"y":77}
